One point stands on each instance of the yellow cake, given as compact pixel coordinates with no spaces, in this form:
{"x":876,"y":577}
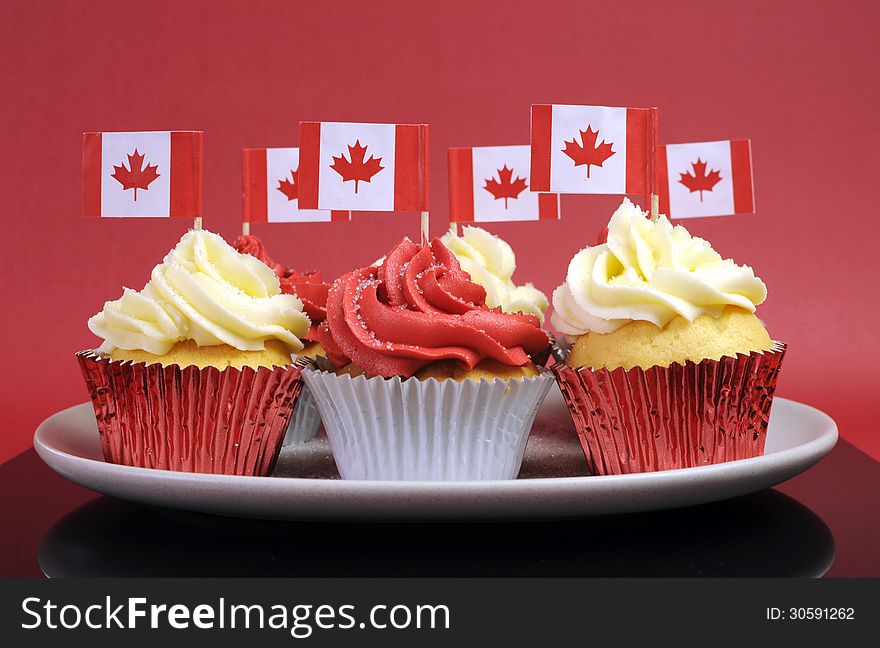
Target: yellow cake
{"x":643,"y":344}
{"x":488,"y":369}
{"x":221,"y":356}
{"x":450,"y":370}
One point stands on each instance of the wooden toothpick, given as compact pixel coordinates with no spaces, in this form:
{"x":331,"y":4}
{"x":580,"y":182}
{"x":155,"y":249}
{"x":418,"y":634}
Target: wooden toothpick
{"x":425,"y":226}
{"x":653,"y":134}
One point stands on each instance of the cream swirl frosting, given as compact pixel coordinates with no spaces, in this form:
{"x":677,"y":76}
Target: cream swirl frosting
{"x":652,"y":271}
{"x":207,"y":292}
{"x":490,"y":262}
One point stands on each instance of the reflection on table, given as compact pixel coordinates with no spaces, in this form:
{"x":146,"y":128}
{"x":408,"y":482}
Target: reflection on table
{"x":765,"y":534}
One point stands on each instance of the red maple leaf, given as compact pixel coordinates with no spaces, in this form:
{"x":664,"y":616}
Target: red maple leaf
{"x":136,"y":176}
{"x":507,"y":187}
{"x":588,"y":152}
{"x":700,"y":180}
{"x":289,"y":187}
{"x":356,"y":169}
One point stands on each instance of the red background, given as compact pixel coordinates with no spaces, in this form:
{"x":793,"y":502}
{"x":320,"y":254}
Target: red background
{"x":798,"y":78}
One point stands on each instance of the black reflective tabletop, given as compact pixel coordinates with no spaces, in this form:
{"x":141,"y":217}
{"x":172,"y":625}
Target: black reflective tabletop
{"x":823,"y":522}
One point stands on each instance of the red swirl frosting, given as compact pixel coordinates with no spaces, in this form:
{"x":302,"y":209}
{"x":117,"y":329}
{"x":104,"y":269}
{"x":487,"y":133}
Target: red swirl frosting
{"x":312,"y":290}
{"x":308,"y":286}
{"x":419,"y":307}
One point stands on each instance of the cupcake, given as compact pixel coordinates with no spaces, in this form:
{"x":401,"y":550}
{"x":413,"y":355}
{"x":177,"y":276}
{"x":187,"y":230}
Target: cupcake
{"x":196,"y":372}
{"x":669,"y":365}
{"x":433,"y":384}
{"x":312,"y":291}
{"x":490,"y":262}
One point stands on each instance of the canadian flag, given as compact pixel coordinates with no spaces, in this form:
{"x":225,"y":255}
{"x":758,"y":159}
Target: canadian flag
{"x":363,"y":167}
{"x":270,"y":189}
{"x":490,"y":183}
{"x":592,"y":149}
{"x":705,"y":179}
{"x":142,"y":175}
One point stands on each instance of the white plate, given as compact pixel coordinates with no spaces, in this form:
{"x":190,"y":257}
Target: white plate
{"x":552,"y":484}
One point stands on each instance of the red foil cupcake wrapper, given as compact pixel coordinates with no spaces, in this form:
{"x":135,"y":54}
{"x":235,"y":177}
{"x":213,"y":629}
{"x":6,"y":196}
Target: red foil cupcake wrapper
{"x":228,"y":422}
{"x":680,"y":416}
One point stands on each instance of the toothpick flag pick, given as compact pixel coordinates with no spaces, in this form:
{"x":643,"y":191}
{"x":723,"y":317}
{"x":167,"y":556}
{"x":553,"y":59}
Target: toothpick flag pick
{"x":490,"y":183}
{"x":270,"y":189}
{"x":363,"y":167}
{"x":705,"y":179}
{"x":653,"y":136}
{"x":142,"y":174}
{"x":591,"y":149}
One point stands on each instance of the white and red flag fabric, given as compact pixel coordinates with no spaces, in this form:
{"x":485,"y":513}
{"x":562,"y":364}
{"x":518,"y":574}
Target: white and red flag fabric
{"x":592,"y":149}
{"x":705,"y":179}
{"x":363,"y":167}
{"x":270,"y":189}
{"x":142,"y":174}
{"x":491,"y":183}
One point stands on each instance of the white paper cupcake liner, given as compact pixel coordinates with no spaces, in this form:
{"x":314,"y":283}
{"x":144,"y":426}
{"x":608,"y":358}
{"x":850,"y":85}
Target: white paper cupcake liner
{"x":305,"y":422}
{"x":427,"y":430}
{"x":306,"y":419}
